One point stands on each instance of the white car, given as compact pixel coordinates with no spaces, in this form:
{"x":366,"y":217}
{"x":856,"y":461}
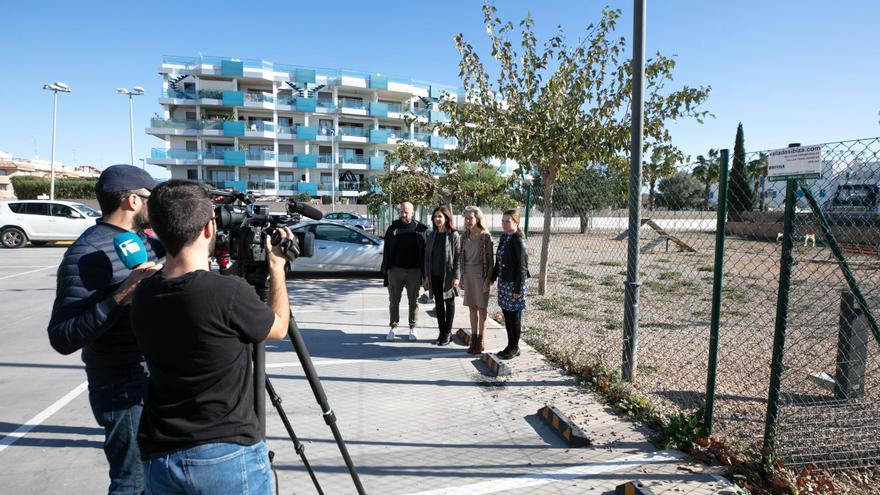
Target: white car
{"x":340,"y":248}
{"x":41,"y":221}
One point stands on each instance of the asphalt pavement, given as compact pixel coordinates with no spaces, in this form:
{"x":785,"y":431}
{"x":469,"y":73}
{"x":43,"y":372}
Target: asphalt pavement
{"x":417,"y":419}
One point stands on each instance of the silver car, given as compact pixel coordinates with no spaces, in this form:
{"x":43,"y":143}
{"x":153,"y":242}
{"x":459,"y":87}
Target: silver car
{"x":340,"y":248}
{"x":351,"y":219}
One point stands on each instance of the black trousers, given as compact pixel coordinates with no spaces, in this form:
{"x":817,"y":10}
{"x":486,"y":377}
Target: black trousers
{"x":443,"y":308}
{"x":513,"y":325}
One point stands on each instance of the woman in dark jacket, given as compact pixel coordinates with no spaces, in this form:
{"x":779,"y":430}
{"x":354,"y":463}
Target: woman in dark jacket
{"x":512,"y":273}
{"x":441,"y":269}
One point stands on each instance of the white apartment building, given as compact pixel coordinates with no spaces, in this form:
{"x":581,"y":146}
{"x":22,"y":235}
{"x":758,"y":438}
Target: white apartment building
{"x":284,"y":130}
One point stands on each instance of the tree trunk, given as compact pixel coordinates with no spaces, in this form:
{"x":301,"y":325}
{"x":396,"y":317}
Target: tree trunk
{"x":585,"y":222}
{"x":706,"y":196}
{"x":761,"y":200}
{"x":757,"y":180}
{"x":652,"y":184}
{"x":549,"y":179}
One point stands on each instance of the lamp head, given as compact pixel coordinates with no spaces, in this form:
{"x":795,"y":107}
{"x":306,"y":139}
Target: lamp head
{"x":138,"y":90}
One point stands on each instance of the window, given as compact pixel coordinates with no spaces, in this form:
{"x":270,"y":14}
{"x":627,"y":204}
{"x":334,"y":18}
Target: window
{"x":3,"y":187}
{"x":336,"y":233}
{"x":192,"y":174}
{"x":331,"y":216}
{"x":190,"y":116}
{"x":88,"y":210}
{"x":36,"y":209}
{"x":221,"y":175}
{"x":192,"y":146}
{"x":62,"y":211}
{"x":16,"y":207}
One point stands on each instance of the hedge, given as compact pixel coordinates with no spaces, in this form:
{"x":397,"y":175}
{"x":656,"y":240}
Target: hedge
{"x":29,"y":187}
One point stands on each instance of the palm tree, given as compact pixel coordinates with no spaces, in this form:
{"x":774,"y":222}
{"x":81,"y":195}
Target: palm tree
{"x":706,"y":171}
{"x":756,"y":170}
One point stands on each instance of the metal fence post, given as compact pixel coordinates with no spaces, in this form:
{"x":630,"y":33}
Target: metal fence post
{"x":776,"y":366}
{"x":631,"y":296}
{"x":717,"y":279}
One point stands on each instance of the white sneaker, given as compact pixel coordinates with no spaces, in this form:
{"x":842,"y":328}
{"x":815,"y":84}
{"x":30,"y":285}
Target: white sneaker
{"x":390,"y":335}
{"x":413,"y":335}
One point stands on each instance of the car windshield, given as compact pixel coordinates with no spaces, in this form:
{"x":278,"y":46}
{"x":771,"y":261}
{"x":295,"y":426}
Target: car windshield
{"x":87,"y":210}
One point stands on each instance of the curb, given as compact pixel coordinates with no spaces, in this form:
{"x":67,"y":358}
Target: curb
{"x":633,"y":488}
{"x":464,"y":335}
{"x":569,"y":431}
{"x":496,"y":366}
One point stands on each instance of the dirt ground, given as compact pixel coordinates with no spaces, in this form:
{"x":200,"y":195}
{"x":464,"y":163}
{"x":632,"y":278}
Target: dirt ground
{"x":581,"y":316}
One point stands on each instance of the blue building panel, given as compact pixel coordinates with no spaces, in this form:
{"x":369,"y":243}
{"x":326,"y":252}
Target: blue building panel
{"x":231,"y":68}
{"x":304,"y":76}
{"x":233,"y":98}
{"x":437,"y":141}
{"x":305,"y":133}
{"x":438,"y":116}
{"x":234,"y":158}
{"x":307,"y":187}
{"x":379,"y":109}
{"x":378,"y":82}
{"x":306,"y":104}
{"x":233,"y":128}
{"x":306,"y":161}
{"x":377,"y":163}
{"x":379,"y":136}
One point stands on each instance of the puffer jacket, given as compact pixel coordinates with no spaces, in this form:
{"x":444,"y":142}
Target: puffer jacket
{"x":85,"y":314}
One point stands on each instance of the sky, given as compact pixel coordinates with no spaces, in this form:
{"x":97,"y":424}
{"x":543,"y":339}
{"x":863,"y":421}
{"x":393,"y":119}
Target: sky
{"x":791,"y":71}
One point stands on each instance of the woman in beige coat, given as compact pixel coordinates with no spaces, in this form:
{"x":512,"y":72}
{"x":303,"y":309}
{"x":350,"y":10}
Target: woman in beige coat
{"x":477,"y":261}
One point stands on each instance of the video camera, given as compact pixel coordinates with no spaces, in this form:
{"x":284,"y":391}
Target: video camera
{"x":243,"y":226}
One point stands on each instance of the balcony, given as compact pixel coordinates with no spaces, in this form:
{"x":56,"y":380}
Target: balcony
{"x":326,"y":105}
{"x":215,"y":153}
{"x":174,"y":154}
{"x":395,"y":107}
{"x":258,"y":98}
{"x":260,"y":155}
{"x":352,"y":131}
{"x":417,"y":137}
{"x":211,"y":94}
{"x":286,"y":185}
{"x":261,"y":185}
{"x":353,"y":186}
{"x":306,"y":133}
{"x":260,"y":126}
{"x":180,"y":95}
{"x":351,"y":104}
{"x":354,"y":159}
{"x":325,"y":158}
{"x":286,"y":158}
{"x":186,"y":124}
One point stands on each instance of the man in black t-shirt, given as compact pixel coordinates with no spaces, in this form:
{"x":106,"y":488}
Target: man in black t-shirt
{"x":199,"y":432}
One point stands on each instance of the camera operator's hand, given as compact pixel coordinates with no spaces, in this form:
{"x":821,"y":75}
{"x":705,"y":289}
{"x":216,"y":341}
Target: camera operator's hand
{"x":125,"y":291}
{"x":277,"y":258}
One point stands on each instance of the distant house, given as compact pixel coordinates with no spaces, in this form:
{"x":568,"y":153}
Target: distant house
{"x":12,"y":166}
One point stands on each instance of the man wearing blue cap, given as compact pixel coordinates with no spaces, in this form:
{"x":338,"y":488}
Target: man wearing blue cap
{"x":92,"y":313}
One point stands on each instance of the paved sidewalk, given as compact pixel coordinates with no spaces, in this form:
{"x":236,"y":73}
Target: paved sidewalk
{"x":417,"y":418}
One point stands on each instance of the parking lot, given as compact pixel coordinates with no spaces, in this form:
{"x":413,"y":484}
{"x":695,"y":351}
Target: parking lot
{"x":417,"y":419}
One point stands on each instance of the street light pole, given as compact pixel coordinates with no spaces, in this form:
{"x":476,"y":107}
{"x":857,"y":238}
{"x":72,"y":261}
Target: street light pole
{"x":135,"y":91}
{"x":54,"y":88}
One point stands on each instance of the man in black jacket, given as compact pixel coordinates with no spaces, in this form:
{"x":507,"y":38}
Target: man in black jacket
{"x":91,"y":312}
{"x":402,"y":260}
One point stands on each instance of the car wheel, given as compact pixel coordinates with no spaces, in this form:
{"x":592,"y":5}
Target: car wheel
{"x":13,"y":237}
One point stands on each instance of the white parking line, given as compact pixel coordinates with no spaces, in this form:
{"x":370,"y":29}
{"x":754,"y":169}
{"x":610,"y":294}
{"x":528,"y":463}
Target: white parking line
{"x":354,"y":310}
{"x":537,"y":479}
{"x":31,"y":271}
{"x":23,"y":430}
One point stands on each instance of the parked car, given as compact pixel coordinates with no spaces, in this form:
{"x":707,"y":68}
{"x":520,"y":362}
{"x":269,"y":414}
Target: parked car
{"x":352,"y":219}
{"x":41,"y":221}
{"x":340,"y":248}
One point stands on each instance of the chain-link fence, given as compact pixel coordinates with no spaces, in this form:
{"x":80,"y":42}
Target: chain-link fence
{"x":828,"y":363}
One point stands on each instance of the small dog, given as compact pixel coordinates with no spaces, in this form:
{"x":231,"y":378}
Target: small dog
{"x":808,"y":239}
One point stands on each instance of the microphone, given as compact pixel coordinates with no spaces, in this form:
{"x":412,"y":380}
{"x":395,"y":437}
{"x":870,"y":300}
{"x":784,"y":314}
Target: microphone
{"x":130,"y":249}
{"x":296,"y":207}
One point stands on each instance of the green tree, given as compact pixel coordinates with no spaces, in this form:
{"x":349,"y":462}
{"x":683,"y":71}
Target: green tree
{"x":707,"y":170}
{"x":662,"y":164}
{"x":29,"y":187}
{"x":587,"y":190}
{"x":680,"y":191}
{"x":475,"y":184}
{"x":738,"y":191}
{"x":556,"y":107}
{"x":757,"y":171}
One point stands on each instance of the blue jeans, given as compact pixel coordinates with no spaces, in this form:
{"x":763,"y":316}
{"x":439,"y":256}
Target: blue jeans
{"x":212,"y":468}
{"x":117,"y":400}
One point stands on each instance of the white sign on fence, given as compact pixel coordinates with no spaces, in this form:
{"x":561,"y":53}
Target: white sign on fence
{"x":801,"y":162}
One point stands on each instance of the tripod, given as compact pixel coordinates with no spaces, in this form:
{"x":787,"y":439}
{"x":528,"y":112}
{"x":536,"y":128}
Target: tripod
{"x":256,"y":275}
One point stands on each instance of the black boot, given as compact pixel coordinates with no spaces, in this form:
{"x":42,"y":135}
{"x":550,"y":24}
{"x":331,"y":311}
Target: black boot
{"x":444,"y":339}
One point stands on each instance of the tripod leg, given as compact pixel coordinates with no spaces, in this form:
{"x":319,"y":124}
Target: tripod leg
{"x":318,"y":390}
{"x":297,"y":446}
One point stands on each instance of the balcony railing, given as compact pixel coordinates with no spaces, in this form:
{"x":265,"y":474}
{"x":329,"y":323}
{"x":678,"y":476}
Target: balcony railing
{"x":185,"y":124}
{"x":260,"y":126}
{"x":261,"y":184}
{"x":285,"y":129}
{"x":352,"y":131}
{"x":259,"y":98}
{"x":354,"y":159}
{"x":416,"y":136}
{"x":327,"y":185}
{"x":351,"y":103}
{"x":326,"y":105}
{"x":213,"y":94}
{"x":180,"y":95}
{"x":260,"y":155}
{"x":287,"y":157}
{"x":287,"y":185}
{"x":160,"y":154}
{"x":215,"y":153}
{"x":325,"y":157}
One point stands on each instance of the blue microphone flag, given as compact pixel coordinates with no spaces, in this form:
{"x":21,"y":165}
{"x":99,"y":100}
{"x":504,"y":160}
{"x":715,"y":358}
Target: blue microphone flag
{"x":130,"y":248}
